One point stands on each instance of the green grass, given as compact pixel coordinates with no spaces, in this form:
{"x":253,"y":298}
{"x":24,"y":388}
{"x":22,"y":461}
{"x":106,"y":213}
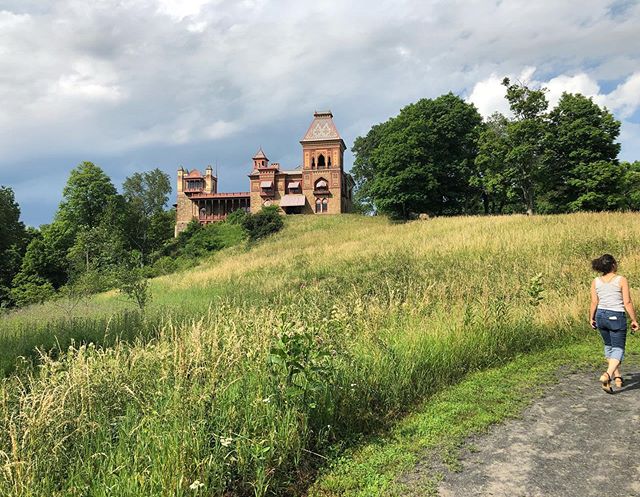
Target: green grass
{"x":433,"y":435}
{"x":251,"y":370}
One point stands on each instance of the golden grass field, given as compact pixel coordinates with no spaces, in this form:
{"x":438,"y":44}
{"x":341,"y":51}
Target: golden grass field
{"x":249,"y":370}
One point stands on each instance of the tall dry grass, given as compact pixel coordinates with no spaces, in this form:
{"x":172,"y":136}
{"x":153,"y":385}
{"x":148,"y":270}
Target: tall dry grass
{"x":257,"y":365}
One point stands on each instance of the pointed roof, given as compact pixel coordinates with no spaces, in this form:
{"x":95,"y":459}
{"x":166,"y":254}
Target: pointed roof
{"x":322,"y":128}
{"x":260,"y":155}
{"x":194,"y":173}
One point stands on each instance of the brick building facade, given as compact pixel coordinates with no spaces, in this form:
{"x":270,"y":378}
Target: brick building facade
{"x":318,"y":186}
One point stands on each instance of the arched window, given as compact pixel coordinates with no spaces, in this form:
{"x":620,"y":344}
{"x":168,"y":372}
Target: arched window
{"x":321,"y":163}
{"x":321,"y":185}
{"x":318,"y":205}
{"x":313,"y":162}
{"x":329,"y":161}
{"x":325,"y":204}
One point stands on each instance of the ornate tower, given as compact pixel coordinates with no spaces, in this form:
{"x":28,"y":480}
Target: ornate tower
{"x":322,"y":146}
{"x":322,"y":165}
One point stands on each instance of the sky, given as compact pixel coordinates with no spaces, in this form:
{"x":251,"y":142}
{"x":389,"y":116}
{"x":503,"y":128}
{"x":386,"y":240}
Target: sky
{"x":132,"y":85}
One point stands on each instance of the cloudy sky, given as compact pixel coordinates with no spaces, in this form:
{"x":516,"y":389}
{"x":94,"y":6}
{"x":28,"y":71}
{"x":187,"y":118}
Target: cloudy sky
{"x":137,"y":84}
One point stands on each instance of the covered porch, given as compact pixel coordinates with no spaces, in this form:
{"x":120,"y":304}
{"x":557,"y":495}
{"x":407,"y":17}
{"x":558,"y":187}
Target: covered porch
{"x":216,"y":207}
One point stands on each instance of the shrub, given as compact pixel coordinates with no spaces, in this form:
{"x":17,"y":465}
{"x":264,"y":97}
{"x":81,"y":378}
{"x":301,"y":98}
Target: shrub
{"x":237,"y":217}
{"x":263,"y":223}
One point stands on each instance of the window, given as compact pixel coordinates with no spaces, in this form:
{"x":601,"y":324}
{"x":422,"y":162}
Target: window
{"x":313,"y":162}
{"x":329,"y":161}
{"x":194,"y":184}
{"x":318,"y":205}
{"x":321,"y":161}
{"x":321,"y":185}
{"x":325,"y":204}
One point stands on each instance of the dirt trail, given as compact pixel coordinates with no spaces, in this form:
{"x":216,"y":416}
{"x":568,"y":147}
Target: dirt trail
{"x":576,"y":441}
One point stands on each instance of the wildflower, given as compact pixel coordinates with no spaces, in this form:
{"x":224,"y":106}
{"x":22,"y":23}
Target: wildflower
{"x":226,"y":441}
{"x":266,"y":400}
{"x":196,"y":485}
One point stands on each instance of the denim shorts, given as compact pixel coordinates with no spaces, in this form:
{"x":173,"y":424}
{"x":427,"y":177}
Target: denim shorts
{"x":612,"y":326}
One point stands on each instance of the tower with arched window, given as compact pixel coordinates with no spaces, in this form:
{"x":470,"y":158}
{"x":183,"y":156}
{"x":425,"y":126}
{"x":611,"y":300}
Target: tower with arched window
{"x":318,"y":186}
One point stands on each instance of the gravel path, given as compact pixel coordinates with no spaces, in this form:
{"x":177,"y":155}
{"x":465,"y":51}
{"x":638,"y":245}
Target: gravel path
{"x":576,"y":441}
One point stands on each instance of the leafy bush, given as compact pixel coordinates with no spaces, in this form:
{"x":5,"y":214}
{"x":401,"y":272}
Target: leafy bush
{"x":263,"y":223}
{"x":237,"y":217}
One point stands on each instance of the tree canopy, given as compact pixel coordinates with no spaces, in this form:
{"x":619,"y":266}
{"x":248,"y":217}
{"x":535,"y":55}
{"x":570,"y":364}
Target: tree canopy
{"x":13,"y":238}
{"x":86,"y":196}
{"x":420,"y":160}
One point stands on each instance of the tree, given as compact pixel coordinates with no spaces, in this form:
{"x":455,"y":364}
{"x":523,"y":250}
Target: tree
{"x":13,"y":239}
{"x":148,"y":225}
{"x":420,"y":160}
{"x":583,"y":172}
{"x":498,"y":189}
{"x":45,"y":259}
{"x":524,"y":164}
{"x":98,"y":250}
{"x":85,"y":196}
{"x":631,"y":185}
{"x":363,"y":169}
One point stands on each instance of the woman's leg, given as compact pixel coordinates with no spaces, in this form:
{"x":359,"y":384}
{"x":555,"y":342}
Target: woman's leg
{"x":618,"y":342}
{"x":612,"y":363}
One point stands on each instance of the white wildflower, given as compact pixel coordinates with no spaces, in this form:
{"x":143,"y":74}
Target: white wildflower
{"x":196,"y":485}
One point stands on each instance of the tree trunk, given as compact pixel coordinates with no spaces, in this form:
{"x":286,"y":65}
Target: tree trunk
{"x":527,"y":194}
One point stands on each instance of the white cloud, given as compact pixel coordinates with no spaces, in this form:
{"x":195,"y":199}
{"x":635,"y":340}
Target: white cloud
{"x":89,"y":81}
{"x":578,"y":83}
{"x":626,"y":97}
{"x":488,"y":94}
{"x":179,"y":9}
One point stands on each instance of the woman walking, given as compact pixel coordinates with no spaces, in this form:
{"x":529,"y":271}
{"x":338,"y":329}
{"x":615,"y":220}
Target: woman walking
{"x":610,"y":297}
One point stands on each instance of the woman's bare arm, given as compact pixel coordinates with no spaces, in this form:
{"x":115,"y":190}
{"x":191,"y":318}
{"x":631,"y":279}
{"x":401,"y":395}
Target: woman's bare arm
{"x":594,"y":304}
{"x":628,"y":304}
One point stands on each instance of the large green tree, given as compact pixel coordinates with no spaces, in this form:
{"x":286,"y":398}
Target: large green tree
{"x":581,"y":153}
{"x":148,"y":224}
{"x":13,"y":238}
{"x":631,"y":185}
{"x":420,"y":160}
{"x":499,"y":189}
{"x":86,"y":196}
{"x":90,"y":207}
{"x":523,"y":163}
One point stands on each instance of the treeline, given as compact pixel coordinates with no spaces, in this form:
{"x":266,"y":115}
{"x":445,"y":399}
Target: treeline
{"x":438,"y":156}
{"x":101,"y":239}
{"x":97,"y":235}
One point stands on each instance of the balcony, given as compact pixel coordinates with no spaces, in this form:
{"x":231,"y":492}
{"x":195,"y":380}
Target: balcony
{"x":194,"y":187}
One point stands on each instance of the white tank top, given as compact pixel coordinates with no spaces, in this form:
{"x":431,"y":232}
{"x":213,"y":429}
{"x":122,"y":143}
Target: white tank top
{"x":610,"y":294}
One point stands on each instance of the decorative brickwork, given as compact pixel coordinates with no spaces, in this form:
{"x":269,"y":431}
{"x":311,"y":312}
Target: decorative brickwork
{"x":318,"y":186}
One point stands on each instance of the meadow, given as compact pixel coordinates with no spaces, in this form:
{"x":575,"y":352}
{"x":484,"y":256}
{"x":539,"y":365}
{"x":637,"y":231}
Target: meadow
{"x":252,"y":370}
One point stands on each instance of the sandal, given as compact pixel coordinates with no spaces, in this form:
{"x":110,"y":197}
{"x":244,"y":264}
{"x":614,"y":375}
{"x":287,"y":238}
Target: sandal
{"x":618,"y":381}
{"x":605,"y":379}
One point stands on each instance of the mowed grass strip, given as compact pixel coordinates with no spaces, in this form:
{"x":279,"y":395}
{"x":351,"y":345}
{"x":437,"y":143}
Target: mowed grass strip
{"x":434,"y":434}
{"x":253,"y":369}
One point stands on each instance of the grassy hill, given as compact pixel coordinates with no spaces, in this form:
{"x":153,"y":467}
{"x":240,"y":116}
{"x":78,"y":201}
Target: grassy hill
{"x":248,"y":371}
